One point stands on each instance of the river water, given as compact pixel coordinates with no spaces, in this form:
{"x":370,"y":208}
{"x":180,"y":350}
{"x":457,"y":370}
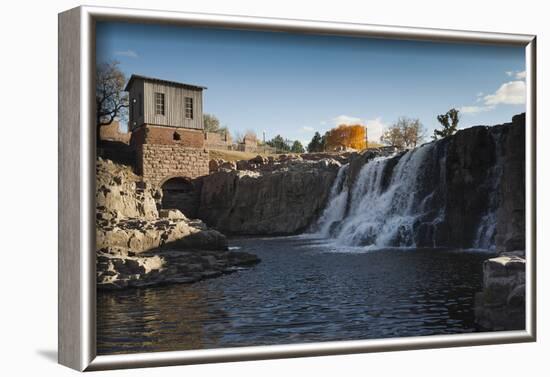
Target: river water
{"x":304,"y":290}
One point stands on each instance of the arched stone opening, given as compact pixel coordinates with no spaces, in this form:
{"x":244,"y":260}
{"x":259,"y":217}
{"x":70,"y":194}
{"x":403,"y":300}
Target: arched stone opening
{"x":180,"y":193}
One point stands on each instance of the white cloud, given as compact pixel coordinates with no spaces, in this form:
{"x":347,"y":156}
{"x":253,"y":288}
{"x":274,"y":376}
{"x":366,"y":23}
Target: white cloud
{"x":127,"y":53}
{"x":346,"y":119}
{"x":307,"y":129}
{"x":375,"y":129}
{"x":521,"y":75}
{"x":479,"y":97}
{"x":475,"y":109}
{"x":510,"y":93}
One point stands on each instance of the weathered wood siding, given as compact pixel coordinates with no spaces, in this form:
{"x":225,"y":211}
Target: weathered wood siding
{"x":174,"y":109}
{"x":135,"y":116}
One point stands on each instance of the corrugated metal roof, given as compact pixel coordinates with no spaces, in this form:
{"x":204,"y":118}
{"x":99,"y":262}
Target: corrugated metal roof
{"x":167,"y":82}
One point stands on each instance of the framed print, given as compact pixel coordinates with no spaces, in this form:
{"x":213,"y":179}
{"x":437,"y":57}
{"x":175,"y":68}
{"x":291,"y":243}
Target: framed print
{"x":235,"y":188}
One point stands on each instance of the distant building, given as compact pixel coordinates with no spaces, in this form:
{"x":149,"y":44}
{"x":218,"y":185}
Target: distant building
{"x":248,"y":144}
{"x":166,"y":121}
{"x":217,"y":140}
{"x":164,"y":103}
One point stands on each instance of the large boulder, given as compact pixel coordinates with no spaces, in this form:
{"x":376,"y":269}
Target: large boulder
{"x":145,"y":235}
{"x":501,"y":304}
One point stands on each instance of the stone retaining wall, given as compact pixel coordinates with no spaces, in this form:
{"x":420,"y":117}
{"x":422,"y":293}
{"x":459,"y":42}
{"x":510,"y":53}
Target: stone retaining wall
{"x":157,"y":162}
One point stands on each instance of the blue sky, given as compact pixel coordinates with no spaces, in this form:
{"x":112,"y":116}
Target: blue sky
{"x":294,"y":85}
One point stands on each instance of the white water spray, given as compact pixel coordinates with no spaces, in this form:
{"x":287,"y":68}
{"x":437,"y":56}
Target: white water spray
{"x":395,"y":204}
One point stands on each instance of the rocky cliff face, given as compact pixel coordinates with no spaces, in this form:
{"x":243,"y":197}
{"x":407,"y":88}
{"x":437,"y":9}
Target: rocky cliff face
{"x":139,"y":245}
{"x":510,"y":216}
{"x":486,"y":180}
{"x":266,"y":197}
{"x":122,"y":193}
{"x":464,"y":191}
{"x":501,"y":304}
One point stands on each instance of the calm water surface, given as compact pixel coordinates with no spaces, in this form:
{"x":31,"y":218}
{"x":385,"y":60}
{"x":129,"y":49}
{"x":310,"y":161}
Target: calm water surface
{"x":302,"y":291}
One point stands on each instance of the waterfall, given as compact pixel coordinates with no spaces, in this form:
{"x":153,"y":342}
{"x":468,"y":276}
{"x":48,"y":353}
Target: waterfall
{"x":336,"y":208}
{"x":401,"y":201}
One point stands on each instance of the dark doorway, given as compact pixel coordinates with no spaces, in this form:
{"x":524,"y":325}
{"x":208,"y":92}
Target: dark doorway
{"x":180,"y":193}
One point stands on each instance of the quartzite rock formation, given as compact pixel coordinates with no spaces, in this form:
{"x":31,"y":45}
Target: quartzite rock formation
{"x":138,"y":246}
{"x":501,"y":304}
{"x":269,"y":197}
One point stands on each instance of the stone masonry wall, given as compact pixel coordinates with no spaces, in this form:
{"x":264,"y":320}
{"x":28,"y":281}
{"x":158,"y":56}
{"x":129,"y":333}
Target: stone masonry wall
{"x":167,"y":152}
{"x":157,"y":162}
{"x":183,"y":137}
{"x":214,"y":140}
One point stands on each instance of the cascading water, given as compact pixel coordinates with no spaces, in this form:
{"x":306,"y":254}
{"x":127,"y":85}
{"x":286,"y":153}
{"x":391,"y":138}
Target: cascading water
{"x":398,"y":201}
{"x":336,"y":208}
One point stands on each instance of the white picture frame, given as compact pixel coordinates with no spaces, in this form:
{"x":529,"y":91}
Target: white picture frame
{"x":77,"y":297}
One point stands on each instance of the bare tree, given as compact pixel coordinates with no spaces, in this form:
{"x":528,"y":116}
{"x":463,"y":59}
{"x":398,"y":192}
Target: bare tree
{"x":393,"y":136}
{"x":111,"y":100}
{"x":250,"y":135}
{"x":405,"y":133}
{"x":238,"y":136}
{"x":212,"y":124}
{"x":413,"y":131}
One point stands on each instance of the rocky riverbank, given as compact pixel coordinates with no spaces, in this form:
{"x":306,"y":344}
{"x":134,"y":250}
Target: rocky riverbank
{"x":138,"y":245}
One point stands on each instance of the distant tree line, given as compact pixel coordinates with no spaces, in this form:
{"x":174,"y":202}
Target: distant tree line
{"x":344,"y":136}
{"x":285,"y":145}
{"x":407,"y":133}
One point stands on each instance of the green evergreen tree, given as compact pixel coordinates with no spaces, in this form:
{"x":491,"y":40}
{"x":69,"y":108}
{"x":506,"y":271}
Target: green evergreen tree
{"x":316,"y":143}
{"x":449,"y":121}
{"x":279,"y":144}
{"x":297,"y":147}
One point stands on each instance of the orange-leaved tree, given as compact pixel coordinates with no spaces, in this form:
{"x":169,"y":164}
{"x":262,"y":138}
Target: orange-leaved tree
{"x":347,"y":136}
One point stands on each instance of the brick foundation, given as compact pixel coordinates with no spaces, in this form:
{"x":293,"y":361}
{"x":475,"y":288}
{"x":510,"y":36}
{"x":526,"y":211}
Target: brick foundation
{"x":184,"y":137}
{"x":161,"y":156}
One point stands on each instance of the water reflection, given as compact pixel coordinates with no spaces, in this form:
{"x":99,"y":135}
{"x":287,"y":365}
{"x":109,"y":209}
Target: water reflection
{"x":299,"y":293}
{"x":160,"y":319}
